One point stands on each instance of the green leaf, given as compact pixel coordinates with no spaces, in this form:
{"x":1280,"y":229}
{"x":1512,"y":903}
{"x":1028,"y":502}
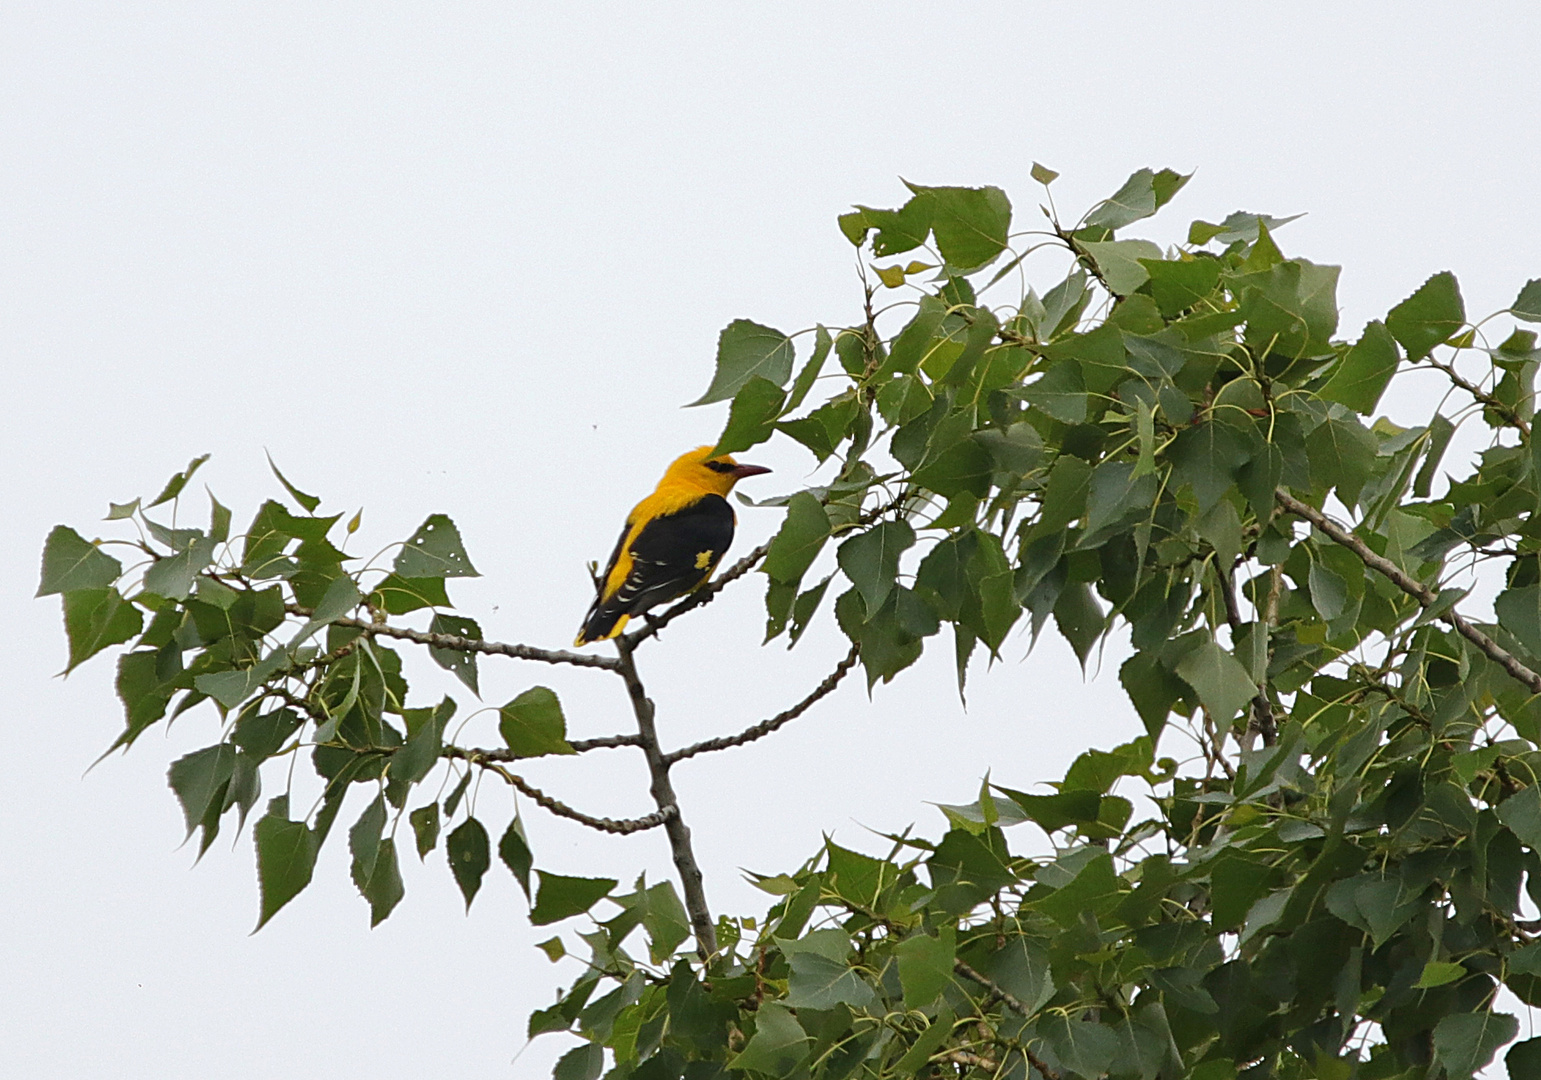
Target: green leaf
{"x":929,"y":1041}
{"x":1523,"y":1061}
{"x":1116,"y":499}
{"x":425,"y":828}
{"x":179,"y":481}
{"x":970,"y":224}
{"x":1043,"y":174}
{"x":810,"y":371}
{"x":461,"y":664}
{"x":435,"y":551}
{"x":71,"y":562}
{"x":1178,"y":284}
{"x":172,"y":576}
{"x":1238,"y":227}
{"x":1429,"y":316}
{"x":871,"y":560}
{"x":1120,"y":262}
{"x":120,"y":511}
{"x":399,"y":595}
{"x":1086,"y":1047}
{"x":1219,"y":679}
{"x":1078,"y":616}
{"x":584,"y":1062}
{"x":898,"y":230}
{"x":778,"y":1046}
{"x":219,"y":520}
{"x":469,"y":856}
{"x":1361,"y":376}
{"x":752,"y":416}
{"x":817,"y":982}
{"x":925,"y":966}
{"x":1440,"y":431}
{"x":364,"y":841}
{"x":286,"y":856}
{"x":95,"y":619}
{"x":744,"y":350}
{"x":1466,"y":1042}
{"x":1438,"y":973}
{"x":1142,"y":195}
{"x":1527,"y":305}
{"x":262,"y":735}
{"x":383,"y":888}
{"x":532,"y":724}
{"x":562,"y":897}
{"x":1521,"y":812}
{"x":417,"y":757}
{"x":1291,"y":309}
{"x":665,"y":920}
{"x":199,"y":781}
{"x":309,"y":502}
{"x":514,"y":850}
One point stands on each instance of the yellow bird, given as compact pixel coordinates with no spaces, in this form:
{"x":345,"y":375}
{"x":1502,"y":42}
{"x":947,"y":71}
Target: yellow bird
{"x":671,"y":543}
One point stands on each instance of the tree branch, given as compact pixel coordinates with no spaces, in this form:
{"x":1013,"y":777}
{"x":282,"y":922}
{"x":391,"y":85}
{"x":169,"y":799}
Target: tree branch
{"x":998,"y":994}
{"x":472,"y":645}
{"x":604,"y":742}
{"x":1416,"y":589}
{"x":704,"y":595}
{"x":663,"y":796}
{"x":1508,"y":412}
{"x":482,"y":760}
{"x":765,"y":727}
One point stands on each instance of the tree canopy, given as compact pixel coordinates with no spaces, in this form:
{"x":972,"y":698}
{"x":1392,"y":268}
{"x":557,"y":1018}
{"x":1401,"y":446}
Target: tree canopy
{"x":1316,"y":860}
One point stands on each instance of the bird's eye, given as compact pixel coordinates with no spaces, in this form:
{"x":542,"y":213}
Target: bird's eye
{"x":719,"y":466}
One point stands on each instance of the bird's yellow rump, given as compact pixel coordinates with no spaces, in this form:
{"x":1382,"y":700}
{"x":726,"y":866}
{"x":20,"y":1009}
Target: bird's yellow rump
{"x":671,"y":542}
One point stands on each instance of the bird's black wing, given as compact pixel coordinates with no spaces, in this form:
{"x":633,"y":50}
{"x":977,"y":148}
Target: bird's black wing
{"x":674,"y":553}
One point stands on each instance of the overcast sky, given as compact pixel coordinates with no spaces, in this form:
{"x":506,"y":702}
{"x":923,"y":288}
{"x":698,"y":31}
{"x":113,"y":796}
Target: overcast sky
{"x":472,"y":258}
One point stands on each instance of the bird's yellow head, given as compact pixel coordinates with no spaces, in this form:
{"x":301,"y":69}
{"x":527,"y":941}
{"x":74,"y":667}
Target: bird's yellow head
{"x":701,"y":471}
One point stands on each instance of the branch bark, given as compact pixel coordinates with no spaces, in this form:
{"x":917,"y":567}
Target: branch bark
{"x":765,"y":727}
{"x":663,"y":795}
{"x":620,"y":827}
{"x":465,"y":644}
{"x":1508,"y":412}
{"x":998,"y":994}
{"x":1425,"y":596}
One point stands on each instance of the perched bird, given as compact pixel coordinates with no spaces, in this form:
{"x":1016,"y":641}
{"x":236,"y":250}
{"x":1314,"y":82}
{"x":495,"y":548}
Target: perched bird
{"x":671,"y":543}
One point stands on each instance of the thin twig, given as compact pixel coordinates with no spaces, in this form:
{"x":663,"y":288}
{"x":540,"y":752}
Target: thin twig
{"x":704,"y":595}
{"x":1425,"y":596}
{"x":667,"y":802}
{"x":560,"y":809}
{"x":456,"y":643}
{"x":765,"y":727}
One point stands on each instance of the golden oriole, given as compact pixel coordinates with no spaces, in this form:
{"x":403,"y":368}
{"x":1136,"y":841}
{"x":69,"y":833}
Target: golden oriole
{"x":671,"y":542}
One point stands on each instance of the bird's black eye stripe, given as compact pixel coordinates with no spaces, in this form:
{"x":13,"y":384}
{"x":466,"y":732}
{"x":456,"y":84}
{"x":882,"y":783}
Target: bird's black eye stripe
{"x":719,"y":466}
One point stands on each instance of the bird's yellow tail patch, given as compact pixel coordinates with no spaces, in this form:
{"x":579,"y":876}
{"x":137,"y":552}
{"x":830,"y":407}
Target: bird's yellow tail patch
{"x":704,"y":560}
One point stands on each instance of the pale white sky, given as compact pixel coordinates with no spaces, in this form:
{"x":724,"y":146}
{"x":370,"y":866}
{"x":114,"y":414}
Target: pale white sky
{"x":472,"y":259}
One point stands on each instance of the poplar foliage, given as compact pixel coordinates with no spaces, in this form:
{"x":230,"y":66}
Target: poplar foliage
{"x":1315,"y":862}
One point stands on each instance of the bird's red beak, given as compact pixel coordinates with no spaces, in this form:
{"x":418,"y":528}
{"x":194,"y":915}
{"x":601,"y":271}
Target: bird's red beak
{"x":741,"y":471}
